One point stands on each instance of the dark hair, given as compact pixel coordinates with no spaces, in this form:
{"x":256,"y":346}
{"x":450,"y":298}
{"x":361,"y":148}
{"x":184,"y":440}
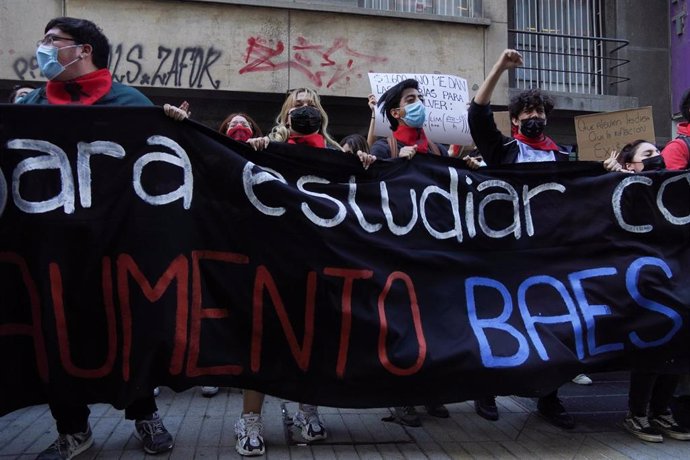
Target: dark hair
{"x":391,"y":99}
{"x":356,"y":142}
{"x":256,"y":131}
{"x":85,"y":32}
{"x":15,"y":90}
{"x":528,"y":100}
{"x":628,"y":151}
{"x":685,"y":105}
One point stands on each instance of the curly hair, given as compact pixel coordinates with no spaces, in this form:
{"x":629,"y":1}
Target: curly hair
{"x":529,"y":100}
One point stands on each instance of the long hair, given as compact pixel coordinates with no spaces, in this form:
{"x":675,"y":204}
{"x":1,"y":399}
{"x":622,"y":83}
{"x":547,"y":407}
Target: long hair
{"x":281,"y":132}
{"x":256,"y":131}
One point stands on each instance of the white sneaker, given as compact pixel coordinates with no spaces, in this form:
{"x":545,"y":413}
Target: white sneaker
{"x":582,"y":379}
{"x":68,"y":446}
{"x":249,"y":430}
{"x":209,"y":391}
{"x":308,"y":420}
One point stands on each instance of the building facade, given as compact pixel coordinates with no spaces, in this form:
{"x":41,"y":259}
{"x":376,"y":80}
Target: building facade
{"x":225,"y":56}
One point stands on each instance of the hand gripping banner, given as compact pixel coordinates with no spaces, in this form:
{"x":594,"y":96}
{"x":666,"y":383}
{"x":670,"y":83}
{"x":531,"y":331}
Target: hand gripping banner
{"x":136,"y":251}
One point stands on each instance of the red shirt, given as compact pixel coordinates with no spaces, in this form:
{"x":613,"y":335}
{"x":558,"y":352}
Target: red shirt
{"x":676,"y":155}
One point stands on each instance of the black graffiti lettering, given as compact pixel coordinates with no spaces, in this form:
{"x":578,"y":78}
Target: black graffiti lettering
{"x":131,"y":78}
{"x":163,"y":55}
{"x":197,"y":67}
{"x":115,"y":55}
{"x":211,"y":57}
{"x":22,"y":66}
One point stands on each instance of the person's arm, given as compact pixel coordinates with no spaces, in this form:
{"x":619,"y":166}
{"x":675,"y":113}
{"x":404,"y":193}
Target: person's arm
{"x":509,"y":59}
{"x":371,"y":138}
{"x":676,"y":155}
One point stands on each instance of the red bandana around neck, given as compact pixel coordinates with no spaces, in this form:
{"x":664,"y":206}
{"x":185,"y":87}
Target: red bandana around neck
{"x":684,"y":128}
{"x":412,"y":136}
{"x":313,"y":140}
{"x":542,"y":142}
{"x":84,"y":90}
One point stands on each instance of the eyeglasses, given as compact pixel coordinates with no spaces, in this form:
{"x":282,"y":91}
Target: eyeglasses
{"x":232,"y":124}
{"x":49,"y":39}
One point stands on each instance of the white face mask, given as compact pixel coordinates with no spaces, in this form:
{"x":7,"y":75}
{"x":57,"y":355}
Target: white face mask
{"x":47,"y":57}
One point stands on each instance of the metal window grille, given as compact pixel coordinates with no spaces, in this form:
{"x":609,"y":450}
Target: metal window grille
{"x":458,"y":8}
{"x":561,"y":44}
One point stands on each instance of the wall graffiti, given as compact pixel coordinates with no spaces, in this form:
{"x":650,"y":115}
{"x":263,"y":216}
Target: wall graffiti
{"x":320,"y":63}
{"x":189,"y":67}
{"x":324,"y":63}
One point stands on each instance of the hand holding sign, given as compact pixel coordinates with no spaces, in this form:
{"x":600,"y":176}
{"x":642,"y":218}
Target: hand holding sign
{"x":445,"y":99}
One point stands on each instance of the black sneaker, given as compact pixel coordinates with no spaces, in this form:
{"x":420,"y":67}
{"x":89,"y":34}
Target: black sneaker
{"x":666,"y":424}
{"x":680,"y":406}
{"x":153,"y":435}
{"x":68,"y":446}
{"x":640,"y":427}
{"x":486,"y":408}
{"x":438,"y":410}
{"x":554,"y":412}
{"x":407,"y":415}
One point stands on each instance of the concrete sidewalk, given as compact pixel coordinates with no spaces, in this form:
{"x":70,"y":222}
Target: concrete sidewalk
{"x":203,"y":428}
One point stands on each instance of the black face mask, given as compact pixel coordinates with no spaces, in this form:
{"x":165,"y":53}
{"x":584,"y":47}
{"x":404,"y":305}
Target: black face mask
{"x":532,"y":127}
{"x":305,"y":120}
{"x":655,"y":163}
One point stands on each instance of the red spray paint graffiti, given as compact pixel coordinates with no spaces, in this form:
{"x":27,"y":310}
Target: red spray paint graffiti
{"x":320,"y":63}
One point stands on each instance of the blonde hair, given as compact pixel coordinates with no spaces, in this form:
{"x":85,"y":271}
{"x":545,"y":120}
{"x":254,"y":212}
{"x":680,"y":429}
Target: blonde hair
{"x":281,"y":132}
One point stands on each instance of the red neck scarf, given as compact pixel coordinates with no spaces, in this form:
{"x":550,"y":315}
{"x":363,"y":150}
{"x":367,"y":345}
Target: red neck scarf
{"x":84,"y":90}
{"x":684,"y":129}
{"x":313,"y":140}
{"x":542,"y":142}
{"x":240,"y":133}
{"x":412,"y":136}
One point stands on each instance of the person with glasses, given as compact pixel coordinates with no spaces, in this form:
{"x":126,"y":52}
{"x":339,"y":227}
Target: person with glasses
{"x":73,"y":55}
{"x":240,"y":127}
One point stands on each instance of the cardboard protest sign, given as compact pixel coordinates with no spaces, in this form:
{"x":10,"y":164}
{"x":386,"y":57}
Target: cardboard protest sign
{"x":599,"y":134}
{"x":445,"y":99}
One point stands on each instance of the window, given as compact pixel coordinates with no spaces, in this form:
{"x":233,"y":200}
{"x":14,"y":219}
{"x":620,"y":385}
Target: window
{"x":561,"y":44}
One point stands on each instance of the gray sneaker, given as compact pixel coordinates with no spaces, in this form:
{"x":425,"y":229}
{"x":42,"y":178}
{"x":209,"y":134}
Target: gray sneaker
{"x":249,"y":430}
{"x":68,"y":446}
{"x":639,"y":426}
{"x":667,"y":425}
{"x":308,"y":421}
{"x":407,"y":415}
{"x":153,"y":435}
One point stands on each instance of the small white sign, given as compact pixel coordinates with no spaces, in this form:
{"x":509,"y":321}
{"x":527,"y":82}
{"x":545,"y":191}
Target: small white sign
{"x":446,"y":101}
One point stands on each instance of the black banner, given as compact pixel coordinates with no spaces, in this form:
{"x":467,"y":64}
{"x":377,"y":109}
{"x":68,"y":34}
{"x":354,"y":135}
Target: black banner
{"x":137,"y":251}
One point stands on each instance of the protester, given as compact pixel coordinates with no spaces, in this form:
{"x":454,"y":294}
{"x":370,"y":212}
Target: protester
{"x":302,"y":120}
{"x":528,"y":115}
{"x":649,"y":416}
{"x":19,"y":91}
{"x":240,"y":127}
{"x":73,"y":56}
{"x":371,"y":136}
{"x":677,"y":152}
{"x":296,"y":98}
{"x":403,"y":106}
{"x":357,"y":144}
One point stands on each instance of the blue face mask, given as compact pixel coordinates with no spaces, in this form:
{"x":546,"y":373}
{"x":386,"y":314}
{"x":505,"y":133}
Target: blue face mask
{"x":415,"y":114}
{"x":47,"y":57}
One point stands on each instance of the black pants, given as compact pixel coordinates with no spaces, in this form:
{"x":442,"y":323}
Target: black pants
{"x":73,"y":418}
{"x":651,"y":390}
